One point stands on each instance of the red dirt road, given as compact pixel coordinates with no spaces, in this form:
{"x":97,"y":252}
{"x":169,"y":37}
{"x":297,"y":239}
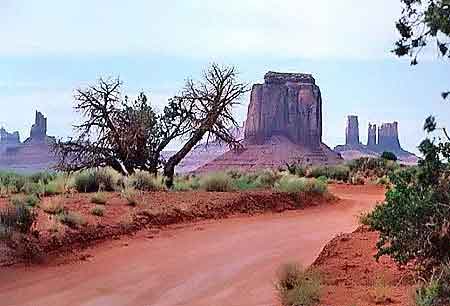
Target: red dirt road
{"x":229,"y":262}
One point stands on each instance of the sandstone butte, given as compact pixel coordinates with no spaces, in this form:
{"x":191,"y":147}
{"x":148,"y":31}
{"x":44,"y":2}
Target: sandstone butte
{"x":378,"y":141}
{"x":32,"y":155}
{"x":284,"y":125}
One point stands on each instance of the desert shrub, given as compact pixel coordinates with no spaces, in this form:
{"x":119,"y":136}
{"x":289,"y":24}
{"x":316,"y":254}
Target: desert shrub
{"x":85,"y":181}
{"x":99,"y":198}
{"x":378,"y":167}
{"x":33,"y":188}
{"x":383,"y":181}
{"x":12,"y":181}
{"x":436,"y":290}
{"x":145,"y":181}
{"x":414,"y":219}
{"x":246,"y":182}
{"x":357,"y":179}
{"x":107,"y":179}
{"x":98,"y":211}
{"x":53,"y":207}
{"x":219,"y":182}
{"x":267,"y":178}
{"x":323,"y":179}
{"x":93,"y":180}
{"x":30,"y":200}
{"x":296,"y":169}
{"x":298,"y":287}
{"x":44,"y":177}
{"x":56,"y":186}
{"x":20,"y":218}
{"x":186,"y":183}
{"x":72,"y":219}
{"x":381,"y":291}
{"x":339,"y":173}
{"x":234,"y":174}
{"x":389,"y":156}
{"x":294,"y":184}
{"x":131,"y":195}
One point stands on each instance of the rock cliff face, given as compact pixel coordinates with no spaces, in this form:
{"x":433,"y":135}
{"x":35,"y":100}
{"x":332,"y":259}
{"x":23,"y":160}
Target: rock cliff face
{"x":284,"y":125}
{"x":372,"y":135}
{"x":388,"y":140}
{"x":9,"y":138}
{"x":34,"y":154}
{"x":38,"y":132}
{"x":287,"y":104}
{"x":388,"y":137}
{"x":352,"y":131}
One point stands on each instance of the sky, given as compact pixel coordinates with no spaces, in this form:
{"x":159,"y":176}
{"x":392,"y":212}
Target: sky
{"x":48,"y":48}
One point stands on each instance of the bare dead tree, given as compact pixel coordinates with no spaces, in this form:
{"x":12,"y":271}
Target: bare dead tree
{"x":208,"y":105}
{"x":117,"y":132}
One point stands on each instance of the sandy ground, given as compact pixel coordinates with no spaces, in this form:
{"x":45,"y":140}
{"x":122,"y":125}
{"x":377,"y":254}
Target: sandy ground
{"x":213,"y":263}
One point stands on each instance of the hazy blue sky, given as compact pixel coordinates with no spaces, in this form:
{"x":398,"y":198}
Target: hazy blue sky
{"x":48,"y":48}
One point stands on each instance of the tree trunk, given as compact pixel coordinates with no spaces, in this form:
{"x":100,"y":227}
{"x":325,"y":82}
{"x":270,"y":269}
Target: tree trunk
{"x":174,"y":160}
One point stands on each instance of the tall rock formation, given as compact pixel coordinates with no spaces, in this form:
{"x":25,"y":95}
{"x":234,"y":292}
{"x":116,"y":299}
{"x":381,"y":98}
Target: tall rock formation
{"x":38,"y":131}
{"x":352,"y":131}
{"x":372,"y":135}
{"x":9,"y":138}
{"x":387,"y":140}
{"x":287,"y":104}
{"x":388,"y":137}
{"x":34,"y":154}
{"x":284,"y":125}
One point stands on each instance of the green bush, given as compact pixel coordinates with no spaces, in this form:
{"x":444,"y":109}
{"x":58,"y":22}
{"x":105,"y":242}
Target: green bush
{"x":298,"y":287}
{"x":55,"y":187}
{"x":146,"y":181}
{"x":12,"y":181}
{"x":99,"y":198}
{"x":246,"y":182}
{"x":72,"y":219}
{"x":436,"y":290}
{"x":131,"y":195}
{"x":33,"y":188}
{"x":414,"y":219}
{"x":20,"y":218}
{"x":296,"y":169}
{"x":42,"y":177}
{"x":294,"y":184}
{"x":219,"y":182}
{"x":30,"y":200}
{"x":98,"y":211}
{"x":186,"y":183}
{"x":339,"y":173}
{"x":267,"y":178}
{"x":93,"y":180}
{"x":389,"y":156}
{"x":53,"y":207}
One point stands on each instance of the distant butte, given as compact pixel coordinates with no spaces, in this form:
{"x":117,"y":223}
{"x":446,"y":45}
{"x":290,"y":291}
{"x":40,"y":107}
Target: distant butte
{"x":386,"y":140}
{"x":33,"y":155}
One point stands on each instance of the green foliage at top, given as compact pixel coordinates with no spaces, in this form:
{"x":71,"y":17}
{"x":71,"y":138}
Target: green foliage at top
{"x":389,"y":156}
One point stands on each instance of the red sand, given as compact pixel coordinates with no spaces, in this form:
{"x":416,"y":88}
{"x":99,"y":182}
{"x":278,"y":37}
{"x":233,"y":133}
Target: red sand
{"x":228,"y":262}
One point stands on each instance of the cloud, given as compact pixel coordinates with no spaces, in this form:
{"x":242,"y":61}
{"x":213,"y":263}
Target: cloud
{"x":200,"y":28}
